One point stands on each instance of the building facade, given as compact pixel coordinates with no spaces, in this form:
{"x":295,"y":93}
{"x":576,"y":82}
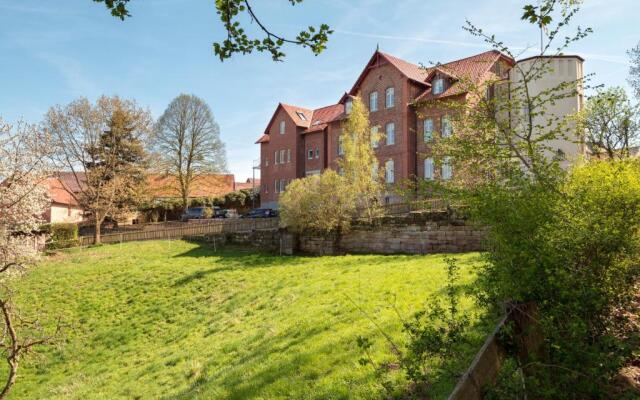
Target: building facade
{"x":403,"y":105}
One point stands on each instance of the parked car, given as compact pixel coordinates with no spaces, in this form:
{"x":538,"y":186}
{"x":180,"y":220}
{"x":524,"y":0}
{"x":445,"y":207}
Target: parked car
{"x":220,"y":212}
{"x":261,"y":213}
{"x":194,"y":213}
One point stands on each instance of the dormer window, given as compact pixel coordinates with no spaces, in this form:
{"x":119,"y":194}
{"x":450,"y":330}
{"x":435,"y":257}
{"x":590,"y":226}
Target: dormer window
{"x":301,"y":116}
{"x":438,"y":86}
{"x":348,"y":106}
{"x":282,"y":126}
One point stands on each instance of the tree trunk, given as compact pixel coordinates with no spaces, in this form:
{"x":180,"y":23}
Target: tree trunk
{"x":97,"y":233}
{"x":11,"y":379}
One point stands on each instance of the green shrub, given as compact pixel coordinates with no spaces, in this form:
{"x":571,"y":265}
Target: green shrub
{"x":571,"y":245}
{"x":63,"y":235}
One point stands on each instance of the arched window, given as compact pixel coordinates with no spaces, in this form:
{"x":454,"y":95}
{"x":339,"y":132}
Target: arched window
{"x":373,"y":101}
{"x":447,"y":169}
{"x":390,"y":131}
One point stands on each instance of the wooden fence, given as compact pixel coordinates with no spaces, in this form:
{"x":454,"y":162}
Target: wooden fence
{"x":419,"y":205}
{"x":186,"y":229}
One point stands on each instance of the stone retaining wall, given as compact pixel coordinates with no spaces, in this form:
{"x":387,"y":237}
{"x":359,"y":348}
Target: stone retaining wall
{"x":412,"y":238}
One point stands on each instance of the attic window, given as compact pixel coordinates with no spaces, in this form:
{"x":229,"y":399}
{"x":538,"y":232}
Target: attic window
{"x":301,"y":116}
{"x":438,"y":86}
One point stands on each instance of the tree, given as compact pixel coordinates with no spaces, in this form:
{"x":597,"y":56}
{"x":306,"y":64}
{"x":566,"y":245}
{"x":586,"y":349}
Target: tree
{"x":359,"y":164}
{"x":23,"y":199}
{"x":332,"y":201}
{"x":562,"y":239}
{"x":611,"y":123}
{"x":634,"y":70}
{"x":238,"y":41}
{"x":101,"y":145}
{"x":187,"y":143}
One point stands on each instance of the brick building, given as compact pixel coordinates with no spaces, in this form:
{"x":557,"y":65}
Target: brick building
{"x":299,"y":142}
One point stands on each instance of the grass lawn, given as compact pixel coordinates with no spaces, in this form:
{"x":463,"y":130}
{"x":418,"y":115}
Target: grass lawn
{"x":176,"y":320}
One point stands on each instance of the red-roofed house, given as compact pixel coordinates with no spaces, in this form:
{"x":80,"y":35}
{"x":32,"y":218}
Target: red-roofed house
{"x":299,"y":142}
{"x":63,"y":189}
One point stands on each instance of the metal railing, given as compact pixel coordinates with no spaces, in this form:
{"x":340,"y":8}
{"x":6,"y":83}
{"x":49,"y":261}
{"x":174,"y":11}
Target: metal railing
{"x":186,"y":229}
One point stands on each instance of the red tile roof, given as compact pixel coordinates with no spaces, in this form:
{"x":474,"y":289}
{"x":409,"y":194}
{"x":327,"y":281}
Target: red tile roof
{"x":263,"y":139}
{"x":210,"y":185}
{"x":473,"y":69}
{"x":249,"y":184}
{"x":411,"y":71}
{"x":322,"y":116}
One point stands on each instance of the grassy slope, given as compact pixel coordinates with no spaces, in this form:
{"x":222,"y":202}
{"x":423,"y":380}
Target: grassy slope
{"x":173,"y":320}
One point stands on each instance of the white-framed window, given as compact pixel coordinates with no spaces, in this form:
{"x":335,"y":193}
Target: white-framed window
{"x":428,"y":168}
{"x":374,"y":137}
{"x":348,"y":106}
{"x":390,"y":131}
{"x":282,"y":156}
{"x":276,"y":157}
{"x":428,"y":130}
{"x":283,"y":185}
{"x":390,"y":97}
{"x":310,"y":154}
{"x":447,"y":129}
{"x":288,"y":155}
{"x":340,"y":145}
{"x":373,"y":101}
{"x":301,"y":115}
{"x":275,"y":185}
{"x":282,"y":126}
{"x":389,"y":171}
{"x":447,"y":169}
{"x":317,"y":153}
{"x":438,"y":86}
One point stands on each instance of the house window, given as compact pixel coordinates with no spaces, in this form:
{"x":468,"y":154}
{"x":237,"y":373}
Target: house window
{"x":438,"y":86}
{"x":288,"y":155}
{"x":283,"y":185}
{"x":317,"y":153}
{"x":373,"y":101}
{"x":447,"y":170}
{"x":275,"y":157}
{"x":374,"y":171}
{"x":282,"y":156}
{"x":266,"y":161}
{"x":374,"y":137}
{"x":389,"y":171}
{"x":390,"y":97}
{"x":428,"y":168}
{"x":428,"y":130}
{"x":340,"y":145}
{"x":310,"y":154}
{"x":348,"y":106}
{"x":301,"y":116}
{"x":391,"y":133}
{"x":275,"y":186}
{"x":446,"y":127}
{"x":282,"y":127}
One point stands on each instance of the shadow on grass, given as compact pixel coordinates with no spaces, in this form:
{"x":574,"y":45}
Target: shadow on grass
{"x":281,"y":358}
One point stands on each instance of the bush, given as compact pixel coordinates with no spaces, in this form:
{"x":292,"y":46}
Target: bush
{"x":320,"y":203}
{"x":63,"y":235}
{"x":572,"y":246}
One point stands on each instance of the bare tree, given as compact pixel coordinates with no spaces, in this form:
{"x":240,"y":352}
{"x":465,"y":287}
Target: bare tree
{"x":101,"y":146}
{"x":187,"y":141}
{"x":23,"y":199}
{"x":611,"y":123}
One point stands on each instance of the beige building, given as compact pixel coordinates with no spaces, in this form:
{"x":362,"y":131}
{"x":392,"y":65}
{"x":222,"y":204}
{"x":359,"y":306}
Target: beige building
{"x":562,"y":76}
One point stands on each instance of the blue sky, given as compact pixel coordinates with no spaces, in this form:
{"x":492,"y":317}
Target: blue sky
{"x":51,"y":54}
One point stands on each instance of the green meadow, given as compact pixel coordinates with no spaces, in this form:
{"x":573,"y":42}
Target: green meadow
{"x":178,"y":320}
